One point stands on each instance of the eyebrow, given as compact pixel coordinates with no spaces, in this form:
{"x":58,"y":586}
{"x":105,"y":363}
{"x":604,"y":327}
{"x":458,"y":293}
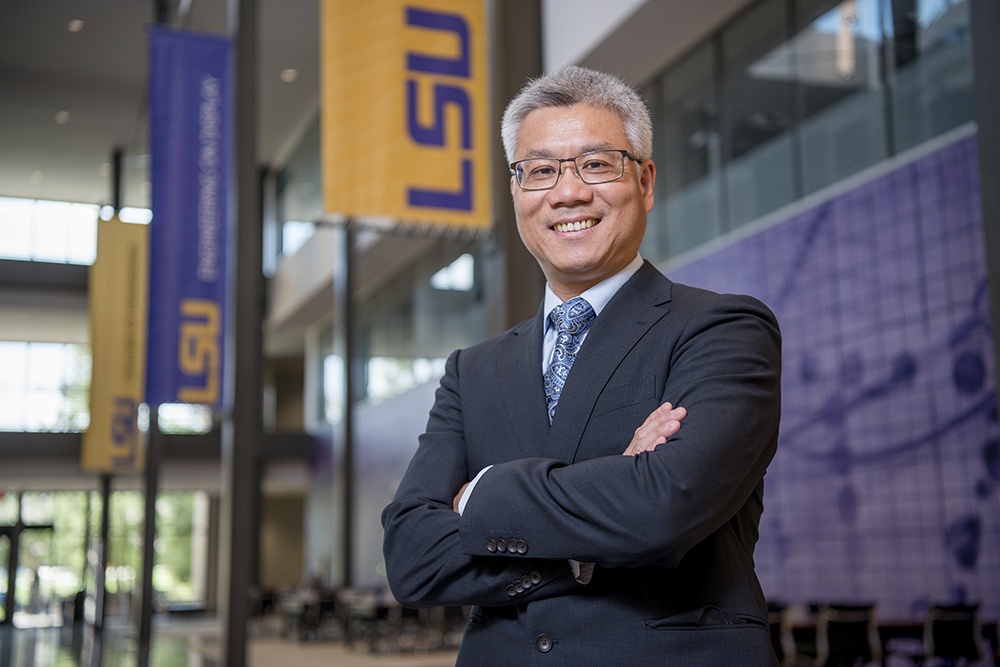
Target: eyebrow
{"x":602,"y":146}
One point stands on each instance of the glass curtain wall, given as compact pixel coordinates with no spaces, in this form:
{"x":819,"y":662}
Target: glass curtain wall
{"x":298,"y":196}
{"x":841,"y":91}
{"x":787,"y":99}
{"x":174,"y":553}
{"x":759,"y":155}
{"x":689,"y":183}
{"x":57,"y":552}
{"x":408,"y":327}
{"x":46,"y":386}
{"x":9,"y":513}
{"x":794,"y":96}
{"x":930,"y":67}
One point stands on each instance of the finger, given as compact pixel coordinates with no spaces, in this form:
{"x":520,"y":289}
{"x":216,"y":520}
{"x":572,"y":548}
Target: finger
{"x":649,"y":436}
{"x":661,"y":424}
{"x":655,"y":417}
{"x":648,"y":446}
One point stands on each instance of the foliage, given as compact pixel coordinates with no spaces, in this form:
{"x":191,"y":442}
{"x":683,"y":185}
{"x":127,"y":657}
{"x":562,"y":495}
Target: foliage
{"x":56,"y":551}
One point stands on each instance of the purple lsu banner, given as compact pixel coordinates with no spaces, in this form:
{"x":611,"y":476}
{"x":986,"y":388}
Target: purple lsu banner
{"x":190,"y":125}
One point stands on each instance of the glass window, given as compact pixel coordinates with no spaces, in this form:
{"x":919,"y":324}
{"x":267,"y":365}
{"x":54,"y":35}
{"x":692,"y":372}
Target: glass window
{"x":177,"y":558}
{"x":930,"y":67}
{"x":48,"y":231}
{"x":835,"y":60}
{"x":173,"y":546}
{"x":766,"y":111}
{"x":758,"y":150}
{"x":10,"y":507}
{"x":689,"y":169}
{"x":124,"y":557}
{"x":184,"y":418}
{"x":459,"y":275}
{"x":51,"y":556}
{"x":294,"y":235}
{"x":429,"y":309}
{"x":4,"y":560}
{"x":333,"y":381}
{"x":408,"y":327}
{"x":299,"y":193}
{"x":45,"y":387}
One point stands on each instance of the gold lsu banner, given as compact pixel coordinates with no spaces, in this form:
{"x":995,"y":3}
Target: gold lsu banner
{"x":117,"y":292}
{"x":405,"y":111}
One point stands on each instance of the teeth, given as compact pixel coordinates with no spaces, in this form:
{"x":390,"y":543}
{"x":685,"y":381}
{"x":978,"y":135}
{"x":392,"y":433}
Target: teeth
{"x":575,"y":226}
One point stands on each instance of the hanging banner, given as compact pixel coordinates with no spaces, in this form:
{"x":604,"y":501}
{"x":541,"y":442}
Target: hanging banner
{"x":117,"y":290}
{"x":405,"y":111}
{"x":189,"y":137}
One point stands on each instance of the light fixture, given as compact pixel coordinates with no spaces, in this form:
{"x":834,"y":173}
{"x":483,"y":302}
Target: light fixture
{"x":76,"y":25}
{"x":288,"y":75}
{"x":62,"y":117}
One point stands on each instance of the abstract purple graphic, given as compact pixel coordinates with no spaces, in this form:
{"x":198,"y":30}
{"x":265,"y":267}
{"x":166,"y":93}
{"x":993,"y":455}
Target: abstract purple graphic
{"x":886,"y":485}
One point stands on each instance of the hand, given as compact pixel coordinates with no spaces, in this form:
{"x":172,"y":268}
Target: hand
{"x":660,"y":425}
{"x":458,"y":496}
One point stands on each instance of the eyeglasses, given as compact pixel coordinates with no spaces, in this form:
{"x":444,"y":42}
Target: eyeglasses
{"x":542,"y":173}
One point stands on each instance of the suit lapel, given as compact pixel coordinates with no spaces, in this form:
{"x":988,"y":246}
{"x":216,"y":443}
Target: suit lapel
{"x":638,"y":305}
{"x":519,"y":374}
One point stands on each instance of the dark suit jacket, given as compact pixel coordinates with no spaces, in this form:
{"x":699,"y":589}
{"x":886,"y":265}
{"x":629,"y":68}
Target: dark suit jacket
{"x":672,"y":531}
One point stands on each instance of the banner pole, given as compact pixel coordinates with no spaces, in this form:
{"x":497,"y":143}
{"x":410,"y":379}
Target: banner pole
{"x":243,"y":427}
{"x":344,"y":326}
{"x":152,"y":486}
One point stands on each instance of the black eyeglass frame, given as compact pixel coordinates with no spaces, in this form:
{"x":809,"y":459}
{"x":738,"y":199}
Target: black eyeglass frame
{"x":625,"y":154}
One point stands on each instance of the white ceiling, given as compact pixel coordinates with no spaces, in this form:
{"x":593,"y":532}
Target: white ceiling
{"x":98,"y":76}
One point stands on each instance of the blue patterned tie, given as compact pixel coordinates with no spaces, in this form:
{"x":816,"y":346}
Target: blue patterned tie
{"x":570,"y":320}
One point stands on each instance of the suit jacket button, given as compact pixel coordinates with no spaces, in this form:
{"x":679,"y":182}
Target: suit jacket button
{"x":501,"y":546}
{"x":535,"y":576}
{"x":526,"y":582}
{"x":518,"y":588}
{"x":521,"y":547}
{"x":510,"y":590}
{"x":491,"y":545}
{"x":543,"y":643}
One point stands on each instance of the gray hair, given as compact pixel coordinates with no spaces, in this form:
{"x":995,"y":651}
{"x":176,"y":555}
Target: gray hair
{"x":572,"y":85}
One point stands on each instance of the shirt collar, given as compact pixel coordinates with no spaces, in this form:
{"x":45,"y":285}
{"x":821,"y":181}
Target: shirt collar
{"x":600,"y":294}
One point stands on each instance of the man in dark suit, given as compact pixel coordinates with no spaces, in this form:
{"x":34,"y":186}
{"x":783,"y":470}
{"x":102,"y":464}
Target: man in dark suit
{"x":519,"y":501}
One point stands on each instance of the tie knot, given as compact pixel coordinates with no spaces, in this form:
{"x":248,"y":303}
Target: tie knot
{"x":572,"y":316}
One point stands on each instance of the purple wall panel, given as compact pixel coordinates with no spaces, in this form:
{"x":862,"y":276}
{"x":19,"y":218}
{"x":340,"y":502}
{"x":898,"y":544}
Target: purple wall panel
{"x":886,"y":485}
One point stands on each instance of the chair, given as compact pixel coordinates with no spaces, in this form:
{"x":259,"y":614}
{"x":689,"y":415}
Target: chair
{"x":775,"y":615}
{"x":847,"y":636}
{"x":953,"y":633}
{"x":798,"y":635}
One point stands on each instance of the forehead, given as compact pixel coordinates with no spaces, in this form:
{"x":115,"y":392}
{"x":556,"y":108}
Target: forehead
{"x":568,"y":131}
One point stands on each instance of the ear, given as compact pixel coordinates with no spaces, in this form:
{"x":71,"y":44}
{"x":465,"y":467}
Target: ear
{"x":513,"y":185}
{"x":647,"y":179}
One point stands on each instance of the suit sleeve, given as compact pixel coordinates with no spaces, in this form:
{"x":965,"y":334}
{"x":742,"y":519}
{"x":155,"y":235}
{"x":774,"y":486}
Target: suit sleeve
{"x":425,"y":565}
{"x":623,"y":511}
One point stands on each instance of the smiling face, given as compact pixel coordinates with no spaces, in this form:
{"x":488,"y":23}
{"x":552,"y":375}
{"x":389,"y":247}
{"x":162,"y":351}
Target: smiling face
{"x":579,"y":233}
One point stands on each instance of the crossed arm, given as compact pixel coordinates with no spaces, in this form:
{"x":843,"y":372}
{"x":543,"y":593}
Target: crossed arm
{"x":679,"y":493}
{"x":662,"y":423}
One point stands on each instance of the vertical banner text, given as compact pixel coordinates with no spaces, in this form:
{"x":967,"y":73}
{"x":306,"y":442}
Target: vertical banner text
{"x":405,"y":111}
{"x":190,"y":136}
{"x":117,"y":291}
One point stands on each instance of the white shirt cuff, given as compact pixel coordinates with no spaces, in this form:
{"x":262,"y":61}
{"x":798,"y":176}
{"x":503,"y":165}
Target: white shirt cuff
{"x":468,"y":490}
{"x":582,"y":572}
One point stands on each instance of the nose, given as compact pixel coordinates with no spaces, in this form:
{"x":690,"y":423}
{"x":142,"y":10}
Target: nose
{"x":570,"y":187}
